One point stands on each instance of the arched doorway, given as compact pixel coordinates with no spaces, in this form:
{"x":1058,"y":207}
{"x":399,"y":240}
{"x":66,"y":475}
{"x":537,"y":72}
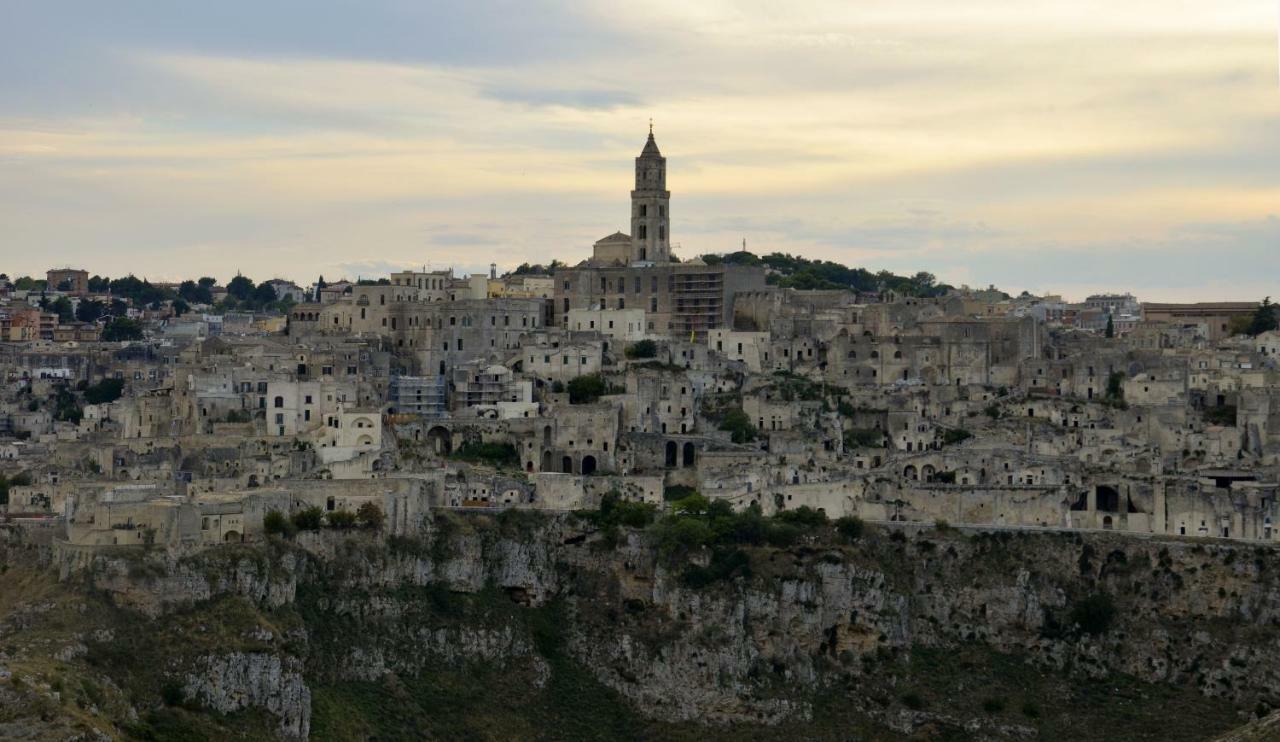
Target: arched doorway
{"x":588,"y":464}
{"x":688,"y":453}
{"x":566,"y":465}
{"x":672,"y":453}
{"x":1108,"y":499}
{"x":1106,"y":523}
{"x":441,"y":441}
{"x":232,"y":537}
{"x":546,"y":461}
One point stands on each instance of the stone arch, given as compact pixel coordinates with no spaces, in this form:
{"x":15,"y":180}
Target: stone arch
{"x":588,"y":464}
{"x":909,"y":472}
{"x":566,"y":464}
{"x":672,"y":452}
{"x":688,"y":454}
{"x":1107,"y":523}
{"x":927,"y":471}
{"x":1108,"y":499}
{"x":546,"y":461}
{"x":232,"y":537}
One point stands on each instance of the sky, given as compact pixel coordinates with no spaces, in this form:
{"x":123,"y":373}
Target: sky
{"x":1055,"y":146}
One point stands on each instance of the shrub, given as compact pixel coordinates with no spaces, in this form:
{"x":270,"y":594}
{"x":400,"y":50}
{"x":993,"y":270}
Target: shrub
{"x":739,"y":426}
{"x":678,"y":491}
{"x":992,"y":411}
{"x":342,"y":519}
{"x":107,"y":390}
{"x":993,"y":705}
{"x":493,"y":454}
{"x":276,"y":524}
{"x":804,"y":516}
{"x":642,"y":349}
{"x":782,"y":535}
{"x":850,"y":527}
{"x":370,"y":516}
{"x":308,"y":519}
{"x":863,"y":438}
{"x":724,"y":564}
{"x":586,"y":389}
{"x":952,"y":436}
{"x":1030,"y":710}
{"x":1094,"y":614}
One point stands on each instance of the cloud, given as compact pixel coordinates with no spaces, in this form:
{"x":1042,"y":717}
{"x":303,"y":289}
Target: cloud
{"x":982,"y":140}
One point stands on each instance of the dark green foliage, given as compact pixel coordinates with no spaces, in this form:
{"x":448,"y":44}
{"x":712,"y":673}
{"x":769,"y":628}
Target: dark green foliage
{"x":803,"y":516}
{"x":677,"y":491}
{"x":240,"y":288}
{"x":66,"y":407}
{"x":912,"y":700}
{"x":309,"y":519}
{"x":1224,"y":415}
{"x":138,"y":291}
{"x":992,"y":411}
{"x":993,"y":705}
{"x":494,"y":454}
{"x":1263,"y":319}
{"x":642,"y":349}
{"x":615,"y":511}
{"x":739,"y":426}
{"x":107,"y":390}
{"x":1114,"y":395}
{"x":63,"y":308}
{"x":276,"y":523}
{"x":850,"y":527}
{"x":370,"y":516}
{"x":951,"y":436}
{"x":122,"y":329}
{"x":22,"y":479}
{"x":89,"y":310}
{"x":341,"y":519}
{"x":586,"y":389}
{"x":863,"y":438}
{"x":1094,"y":614}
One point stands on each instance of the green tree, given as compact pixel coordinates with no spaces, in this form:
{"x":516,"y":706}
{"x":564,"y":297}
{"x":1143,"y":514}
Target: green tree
{"x":586,"y":389}
{"x":264,"y":294}
{"x":64,"y":309}
{"x":122,"y":328}
{"x":309,"y":519}
{"x":275,"y":523}
{"x":240,"y":288}
{"x":1111,"y":326}
{"x":107,"y":390}
{"x":370,"y":516}
{"x":642,"y":349}
{"x":1094,"y":614}
{"x":89,"y":310}
{"x":1264,"y":318}
{"x":739,"y":426}
{"x":342,"y":519}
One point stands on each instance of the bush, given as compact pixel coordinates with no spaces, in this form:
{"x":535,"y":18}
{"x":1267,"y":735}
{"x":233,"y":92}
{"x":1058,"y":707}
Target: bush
{"x":342,"y":519}
{"x":1030,"y":710}
{"x":739,"y":426}
{"x":992,"y":411}
{"x":276,"y":524}
{"x":642,"y":349}
{"x":863,"y":438}
{"x":955,"y":435}
{"x":586,"y":389}
{"x":678,"y":491}
{"x":1094,"y":614}
{"x":912,"y":700}
{"x":308,"y":519}
{"x":107,"y":390}
{"x":850,"y":527}
{"x":782,"y":535}
{"x":803,"y":516}
{"x":993,"y":705}
{"x":493,"y":454}
{"x":370,"y":516}
{"x":725,"y":564}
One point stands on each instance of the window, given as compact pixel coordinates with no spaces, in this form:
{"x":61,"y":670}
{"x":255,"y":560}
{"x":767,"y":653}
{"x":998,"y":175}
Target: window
{"x":279,"y":402}
{"x":644,"y":210}
{"x":643,"y":232}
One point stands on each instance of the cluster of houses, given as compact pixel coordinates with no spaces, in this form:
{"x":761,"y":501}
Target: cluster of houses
{"x":638,"y":374}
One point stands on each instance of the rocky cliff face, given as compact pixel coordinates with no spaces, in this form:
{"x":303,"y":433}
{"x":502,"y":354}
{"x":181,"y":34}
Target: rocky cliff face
{"x":257,"y":629}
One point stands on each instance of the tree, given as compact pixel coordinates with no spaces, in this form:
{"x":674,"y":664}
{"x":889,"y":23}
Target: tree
{"x":1264,"y":318}
{"x":99,"y":284}
{"x":370,"y":516}
{"x":1094,"y":614}
{"x":107,"y":390}
{"x":739,"y":426}
{"x":63,"y":308}
{"x":240,"y":288}
{"x":89,"y":310}
{"x":196,"y":293}
{"x":342,"y":519}
{"x":642,"y":349}
{"x":121,"y":329}
{"x":1111,"y":326}
{"x":309,"y":519}
{"x":586,"y":389}
{"x":264,"y":294}
{"x":276,"y":524}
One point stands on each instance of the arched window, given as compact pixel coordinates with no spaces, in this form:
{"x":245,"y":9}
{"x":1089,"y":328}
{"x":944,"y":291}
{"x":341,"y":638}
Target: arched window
{"x":279,"y":402}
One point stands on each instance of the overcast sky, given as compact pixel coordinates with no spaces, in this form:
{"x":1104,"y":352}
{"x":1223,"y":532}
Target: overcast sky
{"x":1068,"y":146}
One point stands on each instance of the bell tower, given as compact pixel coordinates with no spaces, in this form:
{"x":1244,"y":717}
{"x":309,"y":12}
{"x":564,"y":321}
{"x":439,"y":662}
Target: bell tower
{"x":650,"y":202}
